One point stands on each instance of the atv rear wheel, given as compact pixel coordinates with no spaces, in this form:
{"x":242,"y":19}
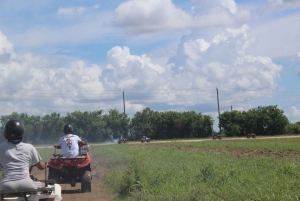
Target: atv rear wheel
{"x":86,"y":182}
{"x":53,"y":174}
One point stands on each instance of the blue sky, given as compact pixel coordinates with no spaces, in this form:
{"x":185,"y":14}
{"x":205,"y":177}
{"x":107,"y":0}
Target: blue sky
{"x":167,"y":55}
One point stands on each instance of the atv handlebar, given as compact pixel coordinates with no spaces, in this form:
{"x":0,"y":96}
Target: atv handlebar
{"x":57,"y":146}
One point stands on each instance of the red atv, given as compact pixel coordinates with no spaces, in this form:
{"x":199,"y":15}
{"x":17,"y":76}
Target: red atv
{"x":72,"y":169}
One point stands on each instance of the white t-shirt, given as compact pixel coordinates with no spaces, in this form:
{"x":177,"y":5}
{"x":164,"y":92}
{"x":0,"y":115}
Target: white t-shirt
{"x":69,"y":145}
{"x":15,"y":160}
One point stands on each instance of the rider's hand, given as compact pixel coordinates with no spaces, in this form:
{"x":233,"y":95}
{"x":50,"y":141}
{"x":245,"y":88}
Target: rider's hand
{"x":40,"y":165}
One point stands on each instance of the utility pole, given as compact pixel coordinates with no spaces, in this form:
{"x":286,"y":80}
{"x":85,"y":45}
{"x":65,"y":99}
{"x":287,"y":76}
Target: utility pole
{"x":219,"y":110}
{"x":124,"y":102}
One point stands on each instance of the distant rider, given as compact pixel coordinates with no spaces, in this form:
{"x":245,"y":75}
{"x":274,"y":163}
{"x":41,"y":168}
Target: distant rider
{"x":15,"y":157}
{"x":69,"y":143}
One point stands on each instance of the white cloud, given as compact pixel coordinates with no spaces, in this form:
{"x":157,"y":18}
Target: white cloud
{"x":96,"y":6}
{"x":284,"y":2}
{"x":277,"y":38}
{"x":132,"y":71}
{"x":156,"y":15}
{"x":225,"y":64}
{"x":230,"y":5}
{"x":137,"y":16}
{"x":31,"y":83}
{"x":193,"y":48}
{"x":5,"y":46}
{"x":296,"y":111}
{"x":71,"y":11}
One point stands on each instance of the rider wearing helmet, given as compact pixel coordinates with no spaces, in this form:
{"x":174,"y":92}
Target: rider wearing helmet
{"x":16,"y":156}
{"x":69,"y":143}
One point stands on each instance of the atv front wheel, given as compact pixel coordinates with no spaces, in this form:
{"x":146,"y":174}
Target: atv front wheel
{"x":86,"y":182}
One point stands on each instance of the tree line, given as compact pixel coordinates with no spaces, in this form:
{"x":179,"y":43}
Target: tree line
{"x":97,"y":126}
{"x":261,"y":120}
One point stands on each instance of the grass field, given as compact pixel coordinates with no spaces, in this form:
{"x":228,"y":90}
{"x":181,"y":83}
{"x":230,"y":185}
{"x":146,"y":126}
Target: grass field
{"x":254,"y":169}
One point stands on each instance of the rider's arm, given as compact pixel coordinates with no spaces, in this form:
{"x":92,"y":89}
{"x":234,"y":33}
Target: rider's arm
{"x":40,"y":165}
{"x":81,"y":142}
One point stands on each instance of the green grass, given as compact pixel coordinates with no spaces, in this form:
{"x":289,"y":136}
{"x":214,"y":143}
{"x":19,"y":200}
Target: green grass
{"x":46,"y":153}
{"x":156,"y":173}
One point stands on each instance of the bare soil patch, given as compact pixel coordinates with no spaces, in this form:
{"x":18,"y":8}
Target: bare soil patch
{"x":278,"y":154}
{"x":73,"y":193}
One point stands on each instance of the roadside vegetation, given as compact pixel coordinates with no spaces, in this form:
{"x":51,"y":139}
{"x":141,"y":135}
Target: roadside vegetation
{"x":97,"y":126}
{"x":191,"y":171}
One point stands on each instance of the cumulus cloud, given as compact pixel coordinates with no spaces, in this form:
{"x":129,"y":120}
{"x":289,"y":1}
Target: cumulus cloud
{"x":150,"y":16}
{"x":36,"y":84}
{"x":6,"y":48}
{"x":225,"y":64}
{"x":155,"y":15}
{"x":132,"y":71}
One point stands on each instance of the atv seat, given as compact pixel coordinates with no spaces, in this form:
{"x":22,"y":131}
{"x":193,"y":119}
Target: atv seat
{"x":25,"y":192}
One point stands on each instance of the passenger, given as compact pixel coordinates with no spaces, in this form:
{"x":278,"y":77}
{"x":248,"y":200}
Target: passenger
{"x":16,"y":157}
{"x":69,"y":143}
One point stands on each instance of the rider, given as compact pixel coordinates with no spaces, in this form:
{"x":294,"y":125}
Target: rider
{"x":69,"y":143}
{"x":15,"y":157}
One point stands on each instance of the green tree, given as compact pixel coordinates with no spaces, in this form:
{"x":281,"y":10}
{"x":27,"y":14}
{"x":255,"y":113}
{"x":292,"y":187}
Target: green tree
{"x":52,"y":127}
{"x":117,"y":124}
{"x":89,"y":125}
{"x":142,"y":124}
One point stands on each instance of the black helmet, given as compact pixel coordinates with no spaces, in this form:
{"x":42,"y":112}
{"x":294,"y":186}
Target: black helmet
{"x":14,"y":130}
{"x":68,"y":128}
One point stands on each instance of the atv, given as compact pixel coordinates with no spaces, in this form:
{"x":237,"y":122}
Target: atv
{"x":122,"y":140}
{"x":251,"y":135}
{"x":51,"y":191}
{"x":145,"y":139}
{"x":72,"y":170}
{"x":217,"y":136}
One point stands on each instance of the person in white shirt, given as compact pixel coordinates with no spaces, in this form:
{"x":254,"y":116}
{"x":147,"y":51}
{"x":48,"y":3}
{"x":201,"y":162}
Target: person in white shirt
{"x":15,"y":157}
{"x":69,"y":143}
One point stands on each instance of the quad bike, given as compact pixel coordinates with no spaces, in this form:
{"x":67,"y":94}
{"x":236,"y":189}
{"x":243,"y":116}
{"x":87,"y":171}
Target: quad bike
{"x":218,"y":136}
{"x":251,"y":135}
{"x":72,"y":170}
{"x":122,"y":140}
{"x":145,"y":139}
{"x":51,"y":191}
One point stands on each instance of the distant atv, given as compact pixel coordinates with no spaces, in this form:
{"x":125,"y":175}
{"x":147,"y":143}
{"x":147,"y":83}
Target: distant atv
{"x":72,"y":169}
{"x":122,"y":140}
{"x":217,"y":136}
{"x":251,"y":135}
{"x":145,"y":139}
